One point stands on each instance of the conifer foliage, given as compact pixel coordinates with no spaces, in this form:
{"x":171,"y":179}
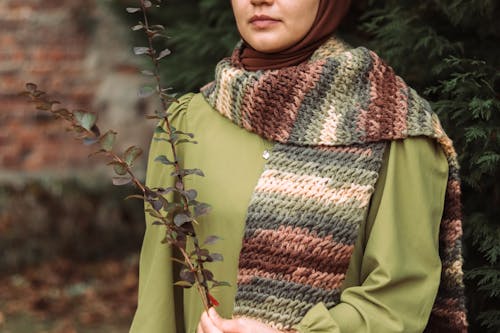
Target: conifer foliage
{"x":449,"y":50}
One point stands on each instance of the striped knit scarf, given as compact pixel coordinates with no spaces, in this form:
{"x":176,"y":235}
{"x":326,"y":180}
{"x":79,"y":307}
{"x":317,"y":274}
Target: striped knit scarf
{"x":330,"y":118}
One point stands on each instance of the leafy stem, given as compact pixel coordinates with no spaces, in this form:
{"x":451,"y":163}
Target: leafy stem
{"x":177,"y":218}
{"x":200,"y":282}
{"x":150,"y":34}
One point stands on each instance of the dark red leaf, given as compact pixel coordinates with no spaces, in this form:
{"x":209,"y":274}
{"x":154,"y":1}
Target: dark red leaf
{"x":187,"y":275}
{"x":212,"y":299}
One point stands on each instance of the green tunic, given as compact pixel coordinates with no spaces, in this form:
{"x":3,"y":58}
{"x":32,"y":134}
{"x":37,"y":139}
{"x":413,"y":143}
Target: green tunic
{"x":393,"y":275}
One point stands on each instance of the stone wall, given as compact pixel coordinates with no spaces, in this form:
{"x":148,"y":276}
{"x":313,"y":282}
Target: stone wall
{"x":54,"y":201}
{"x":78,"y":52}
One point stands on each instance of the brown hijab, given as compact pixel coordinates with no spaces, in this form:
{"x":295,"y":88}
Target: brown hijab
{"x":330,"y":14}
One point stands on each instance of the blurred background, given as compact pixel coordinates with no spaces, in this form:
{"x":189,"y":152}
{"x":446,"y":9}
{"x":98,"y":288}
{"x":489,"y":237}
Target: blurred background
{"x":69,"y":243}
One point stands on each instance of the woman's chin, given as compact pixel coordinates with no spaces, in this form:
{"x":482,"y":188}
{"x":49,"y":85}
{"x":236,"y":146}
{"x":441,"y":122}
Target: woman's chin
{"x":268,"y":46}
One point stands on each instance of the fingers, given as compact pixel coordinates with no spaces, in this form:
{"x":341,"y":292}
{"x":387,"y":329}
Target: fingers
{"x":206,"y":325}
{"x":211,"y":322}
{"x":225,"y":325}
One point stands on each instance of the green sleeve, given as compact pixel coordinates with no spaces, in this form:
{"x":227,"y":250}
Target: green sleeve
{"x":385,"y":275}
{"x":394,"y":276}
{"x":231,"y":158}
{"x":156,"y":312}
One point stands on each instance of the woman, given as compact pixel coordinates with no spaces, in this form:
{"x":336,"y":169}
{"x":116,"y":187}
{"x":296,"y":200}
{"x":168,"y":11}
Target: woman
{"x":332,"y":184}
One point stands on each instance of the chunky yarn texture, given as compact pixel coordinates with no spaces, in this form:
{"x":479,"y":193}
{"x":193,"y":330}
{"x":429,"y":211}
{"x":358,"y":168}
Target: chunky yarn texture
{"x":331,"y":119}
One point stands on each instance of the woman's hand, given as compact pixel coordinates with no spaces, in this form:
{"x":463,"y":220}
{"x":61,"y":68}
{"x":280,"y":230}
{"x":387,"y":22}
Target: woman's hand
{"x":211,"y":322}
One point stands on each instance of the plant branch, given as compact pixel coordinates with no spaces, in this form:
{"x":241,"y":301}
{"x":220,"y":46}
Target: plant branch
{"x":177,"y":218}
{"x":160,"y":90}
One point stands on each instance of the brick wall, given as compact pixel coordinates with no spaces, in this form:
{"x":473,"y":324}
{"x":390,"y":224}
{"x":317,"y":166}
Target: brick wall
{"x":74,"y":51}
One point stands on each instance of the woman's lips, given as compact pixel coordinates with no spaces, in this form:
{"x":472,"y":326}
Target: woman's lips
{"x":263,"y":21}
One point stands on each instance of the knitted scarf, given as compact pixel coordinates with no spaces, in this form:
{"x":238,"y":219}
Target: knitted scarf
{"x":330,"y":118}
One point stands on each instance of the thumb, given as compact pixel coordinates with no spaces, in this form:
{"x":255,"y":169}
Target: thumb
{"x":225,"y":325}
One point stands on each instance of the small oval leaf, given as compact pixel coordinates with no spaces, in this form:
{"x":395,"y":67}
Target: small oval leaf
{"x":183,"y":284}
{"x":107,"y":140}
{"x":132,"y":10}
{"x":119,"y":168}
{"x":160,"y":130}
{"x":211,"y":240}
{"x":119,"y":181}
{"x":164,"y":160}
{"x":180,"y":219}
{"x":163,"y":54}
{"x":187,"y":275}
{"x":201,"y":209}
{"x":208,"y":275}
{"x":131,"y":155}
{"x":221,"y":284}
{"x":216,"y":257}
{"x":158,"y":27}
{"x":134,"y":196}
{"x":185,"y":141}
{"x":147,"y":72}
{"x":157,"y":204}
{"x":85,"y":119}
{"x":197,"y":172}
{"x":191,"y":194}
{"x":139,"y":50}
